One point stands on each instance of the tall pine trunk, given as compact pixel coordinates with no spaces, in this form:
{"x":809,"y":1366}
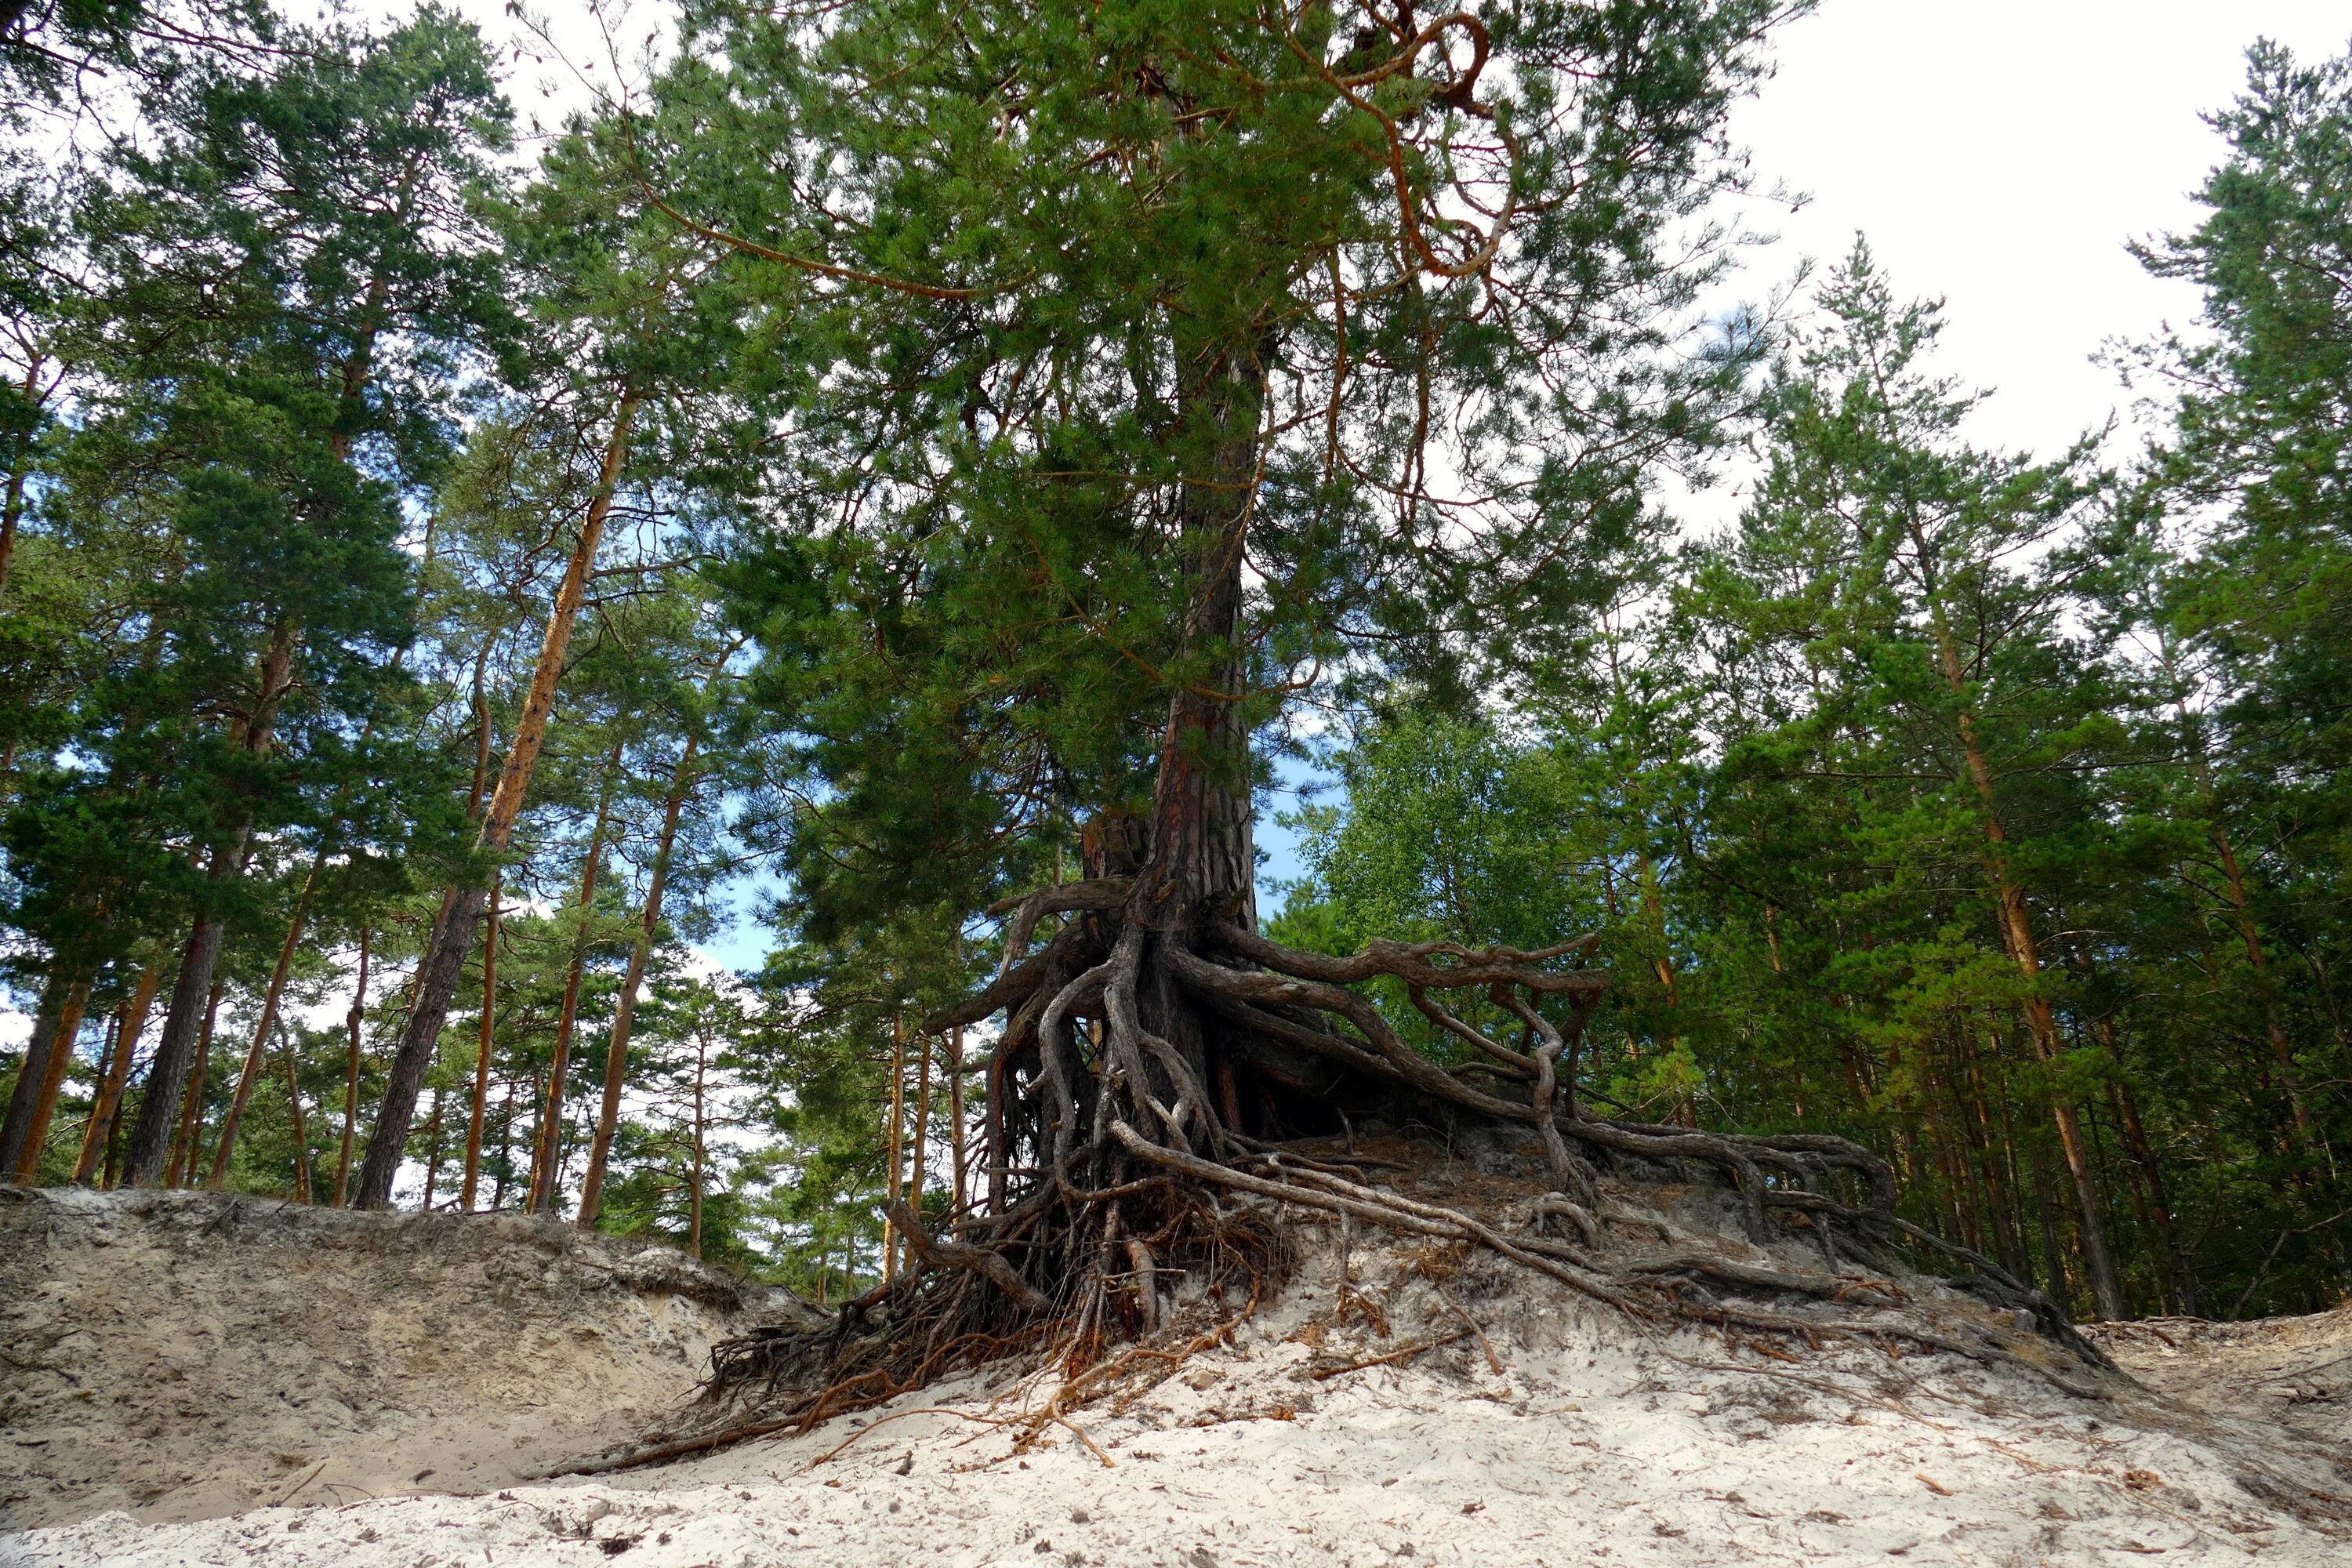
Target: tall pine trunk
{"x":109,"y":1104}
{"x":151,"y":1137}
{"x":487,"y":1025}
{"x":2016,"y":922}
{"x":547,"y":1149}
{"x":34,"y":1067}
{"x":39,"y":1083}
{"x":453,"y":936}
{"x":625,"y":1012}
{"x":352,"y":1023}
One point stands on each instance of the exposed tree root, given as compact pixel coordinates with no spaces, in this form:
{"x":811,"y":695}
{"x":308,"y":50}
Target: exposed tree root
{"x":1149,"y":1071}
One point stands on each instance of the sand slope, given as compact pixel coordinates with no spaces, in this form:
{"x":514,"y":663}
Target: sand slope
{"x":190,"y":1354}
{"x":1595,"y":1442}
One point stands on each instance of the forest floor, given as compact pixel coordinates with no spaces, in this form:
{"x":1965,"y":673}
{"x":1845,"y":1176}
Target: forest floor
{"x":1436,"y":1408}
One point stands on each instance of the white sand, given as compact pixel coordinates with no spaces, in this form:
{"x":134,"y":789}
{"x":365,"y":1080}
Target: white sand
{"x":191,"y":1354}
{"x":1593,"y":1444}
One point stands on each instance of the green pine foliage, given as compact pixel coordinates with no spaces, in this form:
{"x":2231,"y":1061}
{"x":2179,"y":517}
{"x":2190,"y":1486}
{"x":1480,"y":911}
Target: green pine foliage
{"x":1985,"y":807}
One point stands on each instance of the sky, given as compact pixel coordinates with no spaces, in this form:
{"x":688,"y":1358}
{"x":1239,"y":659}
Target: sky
{"x":2000,"y":154}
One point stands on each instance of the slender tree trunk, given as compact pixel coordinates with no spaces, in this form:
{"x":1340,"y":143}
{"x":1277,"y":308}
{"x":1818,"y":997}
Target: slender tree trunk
{"x":453,"y":936}
{"x":2053,"y":1254}
{"x":546,"y":1150}
{"x":2183,"y":1286}
{"x":12,"y":512}
{"x":182,"y":1168}
{"x":624,"y":1011}
{"x":506,"y":1148}
{"x":249,"y":1073}
{"x":108,"y":1105}
{"x":303,"y":1187}
{"x":694,"y":1223}
{"x":2265,"y":986}
{"x":898,"y":1143}
{"x":150,"y":1139}
{"x":956,"y":1113}
{"x":50,"y":1081}
{"x":922,"y":1124}
{"x":115,"y":1058}
{"x":482,"y":1055}
{"x":34,"y":1067}
{"x":2016,"y":922}
{"x":433,"y":1161}
{"x":152,"y":1135}
{"x":352,"y":1023}
{"x":2241,"y":912}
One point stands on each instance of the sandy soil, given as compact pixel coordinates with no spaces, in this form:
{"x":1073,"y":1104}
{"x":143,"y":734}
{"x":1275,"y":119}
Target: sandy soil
{"x":183,"y":1355}
{"x":2291,"y":1373}
{"x":1555,"y":1434}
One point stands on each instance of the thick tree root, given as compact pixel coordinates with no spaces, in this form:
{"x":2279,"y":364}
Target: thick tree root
{"x":1151,"y":1071}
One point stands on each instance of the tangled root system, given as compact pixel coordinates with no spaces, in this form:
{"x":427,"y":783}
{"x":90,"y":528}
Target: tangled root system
{"x":1153,"y":1108}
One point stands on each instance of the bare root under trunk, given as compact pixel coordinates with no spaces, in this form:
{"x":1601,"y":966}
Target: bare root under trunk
{"x":1149,"y":1069}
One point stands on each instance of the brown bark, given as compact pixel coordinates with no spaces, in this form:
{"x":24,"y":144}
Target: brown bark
{"x":2016,"y":921}
{"x":49,"y":1082}
{"x":922,"y":1124}
{"x":432,"y":1160}
{"x":12,"y":512}
{"x":624,"y":1011}
{"x":453,"y":936}
{"x":548,"y":1148}
{"x":303,"y":1187}
{"x":109,"y":1104}
{"x":150,"y":1139}
{"x":488,"y":1023}
{"x":694,"y":1221}
{"x":249,"y":1073}
{"x":183,"y":1165}
{"x":353,"y":1022}
{"x":956,"y":1151}
{"x":897,"y":1145}
{"x":34,"y":1067}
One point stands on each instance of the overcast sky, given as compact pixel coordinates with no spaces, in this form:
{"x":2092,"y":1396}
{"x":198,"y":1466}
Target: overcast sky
{"x":2000,"y":153}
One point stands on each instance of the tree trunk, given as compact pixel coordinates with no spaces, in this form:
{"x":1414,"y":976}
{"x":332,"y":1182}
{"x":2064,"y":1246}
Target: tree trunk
{"x":2016,"y":921}
{"x":182,"y":1168}
{"x":353,"y":1022}
{"x":549,"y":1146}
{"x":922,"y":1124}
{"x":2053,"y":1254}
{"x":624,"y":1011}
{"x":151,"y":1138}
{"x":115,"y":1059}
{"x":506,"y":1148}
{"x":109,"y":1105}
{"x":898,"y":1143}
{"x":12,"y":512}
{"x":184,"y":1022}
{"x":34,"y":1067}
{"x":303,"y":1187}
{"x":956,"y":1115}
{"x":694,"y":1221}
{"x":249,"y":1073}
{"x":482,"y":1055}
{"x":432,"y":1160}
{"x":48,"y":1082}
{"x":453,"y":936}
